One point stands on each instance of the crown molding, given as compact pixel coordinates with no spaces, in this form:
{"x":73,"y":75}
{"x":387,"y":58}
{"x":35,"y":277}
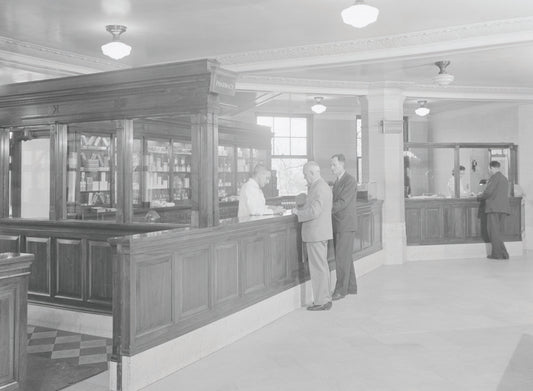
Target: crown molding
{"x":478,"y":36}
{"x":250,"y":82}
{"x":50,"y":61}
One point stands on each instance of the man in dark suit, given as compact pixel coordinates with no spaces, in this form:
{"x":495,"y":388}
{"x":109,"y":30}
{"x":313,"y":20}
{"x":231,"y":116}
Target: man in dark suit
{"x":496,"y":197}
{"x":344,"y":219}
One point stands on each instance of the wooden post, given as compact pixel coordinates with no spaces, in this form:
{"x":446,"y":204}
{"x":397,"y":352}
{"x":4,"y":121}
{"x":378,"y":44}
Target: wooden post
{"x":124,"y":151}
{"x":14,"y":276}
{"x":58,"y":171}
{"x":204,"y":175}
{"x":4,"y":173}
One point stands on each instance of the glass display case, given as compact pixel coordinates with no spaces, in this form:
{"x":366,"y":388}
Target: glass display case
{"x":161,"y":173}
{"x":226,"y":172}
{"x":90,"y":176}
{"x":235,"y":166}
{"x":156,"y":174}
{"x":181,"y":171}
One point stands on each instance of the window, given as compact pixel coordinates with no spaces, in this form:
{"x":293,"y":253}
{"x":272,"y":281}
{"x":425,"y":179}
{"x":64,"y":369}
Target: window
{"x":290,"y":151}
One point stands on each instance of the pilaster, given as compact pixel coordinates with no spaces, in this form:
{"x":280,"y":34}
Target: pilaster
{"x":383,"y":164}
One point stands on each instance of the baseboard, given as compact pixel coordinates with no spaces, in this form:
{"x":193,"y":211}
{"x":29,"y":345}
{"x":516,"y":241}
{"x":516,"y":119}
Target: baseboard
{"x":69,"y":320}
{"x":457,"y":251}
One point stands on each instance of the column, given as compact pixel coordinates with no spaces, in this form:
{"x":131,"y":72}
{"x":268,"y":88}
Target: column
{"x":204,"y":170}
{"x":525,"y":173}
{"x":383,"y":163}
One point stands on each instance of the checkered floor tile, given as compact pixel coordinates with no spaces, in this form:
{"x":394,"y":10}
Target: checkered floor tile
{"x":63,"y":345}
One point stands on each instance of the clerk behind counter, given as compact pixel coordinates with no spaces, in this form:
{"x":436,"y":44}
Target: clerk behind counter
{"x":464,"y":188}
{"x":252,"y":200}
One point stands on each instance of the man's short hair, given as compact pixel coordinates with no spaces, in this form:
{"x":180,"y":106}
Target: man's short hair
{"x":312,"y":166}
{"x":340,"y":157}
{"x":462,"y":168}
{"x":258,"y":169}
{"x":494,"y":164}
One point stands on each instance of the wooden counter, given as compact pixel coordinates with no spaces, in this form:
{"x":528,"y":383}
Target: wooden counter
{"x":14,"y":270}
{"x":73,"y":259}
{"x":454,"y":220}
{"x":171,"y":282}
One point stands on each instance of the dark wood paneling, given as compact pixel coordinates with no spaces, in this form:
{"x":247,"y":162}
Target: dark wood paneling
{"x":7,"y":334}
{"x":99,"y":262}
{"x":365,"y":230}
{"x":153,"y":293}
{"x":4,"y":172}
{"x":447,"y":221}
{"x":207,"y":281}
{"x":9,"y":243}
{"x":226,"y":270}
{"x":14,"y":271}
{"x":40,"y":277}
{"x":253,"y":259}
{"x":195,"y":282}
{"x":434,"y":222}
{"x":278,"y":256}
{"x":70,"y":262}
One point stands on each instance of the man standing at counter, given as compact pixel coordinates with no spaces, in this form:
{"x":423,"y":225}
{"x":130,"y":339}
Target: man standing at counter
{"x":344,"y":226}
{"x":251,"y":198}
{"x":497,"y":207}
{"x":315,"y":215}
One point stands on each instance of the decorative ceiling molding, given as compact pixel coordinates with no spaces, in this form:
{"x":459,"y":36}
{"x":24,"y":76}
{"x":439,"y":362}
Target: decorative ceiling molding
{"x":50,"y":61}
{"x":478,"y":36}
{"x":249,"y":82}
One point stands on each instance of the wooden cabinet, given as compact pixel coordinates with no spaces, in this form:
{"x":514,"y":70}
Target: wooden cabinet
{"x":90,"y":175}
{"x":236,"y":165}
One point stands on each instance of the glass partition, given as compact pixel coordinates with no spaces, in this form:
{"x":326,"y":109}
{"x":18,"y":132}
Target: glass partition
{"x":453,"y":170}
{"x":29,"y":192}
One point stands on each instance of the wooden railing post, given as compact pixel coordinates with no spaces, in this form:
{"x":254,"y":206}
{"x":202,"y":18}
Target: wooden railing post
{"x":14,"y":276}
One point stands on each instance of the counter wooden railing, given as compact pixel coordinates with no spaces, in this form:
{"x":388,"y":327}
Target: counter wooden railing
{"x":14,"y":271}
{"x":171,"y":282}
{"x":72,"y":266}
{"x":454,"y":221}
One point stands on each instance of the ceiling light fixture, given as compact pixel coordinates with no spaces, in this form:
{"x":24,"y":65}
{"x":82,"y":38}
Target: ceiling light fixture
{"x":422,"y":110}
{"x":443,"y":78}
{"x":360,"y":14}
{"x":318,"y":107}
{"x":116,"y":49}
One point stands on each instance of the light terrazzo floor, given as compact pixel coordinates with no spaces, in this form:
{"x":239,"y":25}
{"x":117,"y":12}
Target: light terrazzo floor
{"x":422,"y":326}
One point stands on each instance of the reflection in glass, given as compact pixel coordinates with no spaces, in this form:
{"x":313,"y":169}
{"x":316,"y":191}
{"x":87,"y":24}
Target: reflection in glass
{"x":290,"y":176}
{"x":35,"y":179}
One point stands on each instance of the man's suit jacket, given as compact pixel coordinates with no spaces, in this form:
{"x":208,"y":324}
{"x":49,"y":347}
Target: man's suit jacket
{"x":316,"y":213}
{"x":344,"y":204}
{"x":496,"y":194}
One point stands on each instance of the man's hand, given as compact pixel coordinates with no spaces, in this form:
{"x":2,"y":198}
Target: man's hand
{"x":294,"y":211}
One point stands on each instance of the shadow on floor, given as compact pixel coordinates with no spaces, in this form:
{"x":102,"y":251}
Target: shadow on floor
{"x":518,"y":375}
{"x":45,"y":374}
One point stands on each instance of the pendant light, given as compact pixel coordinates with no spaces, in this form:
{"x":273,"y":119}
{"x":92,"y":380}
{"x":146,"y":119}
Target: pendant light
{"x":318,"y":107}
{"x":422,"y":110}
{"x":116,"y":49}
{"x":360,"y":14}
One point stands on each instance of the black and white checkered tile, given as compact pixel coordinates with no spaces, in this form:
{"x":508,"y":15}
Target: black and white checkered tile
{"x":63,"y":345}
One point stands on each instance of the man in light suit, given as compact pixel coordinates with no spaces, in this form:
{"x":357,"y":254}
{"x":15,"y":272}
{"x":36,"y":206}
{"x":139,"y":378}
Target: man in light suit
{"x":315,"y":215}
{"x":344,"y":227}
{"x":496,"y":197}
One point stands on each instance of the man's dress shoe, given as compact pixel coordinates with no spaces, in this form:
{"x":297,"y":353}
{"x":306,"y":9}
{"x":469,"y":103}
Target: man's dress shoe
{"x":337,"y":296}
{"x":318,"y":307}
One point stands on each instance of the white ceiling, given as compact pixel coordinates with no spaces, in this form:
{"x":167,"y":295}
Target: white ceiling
{"x":299,"y":46}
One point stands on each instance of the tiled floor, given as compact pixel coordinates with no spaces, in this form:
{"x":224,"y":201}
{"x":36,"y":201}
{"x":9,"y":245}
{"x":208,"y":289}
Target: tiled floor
{"x":454,"y":325}
{"x":63,"y":345}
